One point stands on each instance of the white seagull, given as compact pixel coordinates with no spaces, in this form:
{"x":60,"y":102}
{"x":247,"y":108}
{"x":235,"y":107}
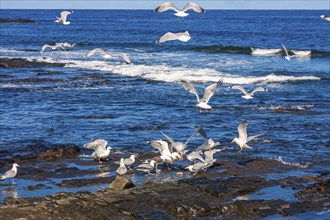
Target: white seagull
{"x":325,"y":17}
{"x":181,"y":36}
{"x":100,"y":148}
{"x":108,"y":55}
{"x":196,"y":167}
{"x":180,"y":13}
{"x":208,"y":93}
{"x":287,"y":56}
{"x":129,"y":161}
{"x":243,"y":137}
{"x":122,"y":168}
{"x":179,"y":146}
{"x":62,"y":19}
{"x":10,"y":173}
{"x":248,"y":95}
{"x":53,"y":47}
{"x":147,"y":168}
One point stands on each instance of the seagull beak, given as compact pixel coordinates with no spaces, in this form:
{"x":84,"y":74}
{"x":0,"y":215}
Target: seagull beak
{"x":233,"y":141}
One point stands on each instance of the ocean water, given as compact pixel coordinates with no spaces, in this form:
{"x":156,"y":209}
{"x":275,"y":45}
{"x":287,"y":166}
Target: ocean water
{"x":128,"y":104}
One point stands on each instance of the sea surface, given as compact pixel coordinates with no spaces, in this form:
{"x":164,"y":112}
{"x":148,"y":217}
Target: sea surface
{"x":128,"y":104}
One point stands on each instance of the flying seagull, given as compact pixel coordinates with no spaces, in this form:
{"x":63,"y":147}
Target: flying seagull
{"x":180,"y":13}
{"x":325,"y":17}
{"x":287,"y":56}
{"x":181,"y":36}
{"x":248,"y":95}
{"x":208,"y":93}
{"x":243,"y":138}
{"x":62,"y":19}
{"x":100,"y":148}
{"x":10,"y":173}
{"x":108,"y":55}
{"x":53,"y":47}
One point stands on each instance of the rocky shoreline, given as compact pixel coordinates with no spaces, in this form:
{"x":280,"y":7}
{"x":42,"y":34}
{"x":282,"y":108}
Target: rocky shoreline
{"x":233,"y":188}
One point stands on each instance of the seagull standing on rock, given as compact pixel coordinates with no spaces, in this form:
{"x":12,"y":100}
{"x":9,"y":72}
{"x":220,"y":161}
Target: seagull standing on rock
{"x":100,"y":148}
{"x":10,"y":174}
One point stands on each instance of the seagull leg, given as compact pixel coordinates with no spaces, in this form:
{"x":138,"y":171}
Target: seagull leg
{"x":206,"y":110}
{"x":100,"y":160}
{"x":200,"y":110}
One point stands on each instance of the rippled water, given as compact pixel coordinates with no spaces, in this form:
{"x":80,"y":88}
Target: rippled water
{"x":129,"y":104}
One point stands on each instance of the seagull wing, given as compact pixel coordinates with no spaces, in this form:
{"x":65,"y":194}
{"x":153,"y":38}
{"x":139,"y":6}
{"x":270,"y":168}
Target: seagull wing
{"x":258,"y":89}
{"x":166,"y":6}
{"x":92,"y":52}
{"x":250,"y":138}
{"x":96,"y":143}
{"x":285,"y":50}
{"x":194,"y":7}
{"x":201,"y":132}
{"x":242,"y":131}
{"x":241,"y":88}
{"x":192,"y":135}
{"x":210,"y":90}
{"x":190,"y":88}
{"x":64,"y":14}
{"x":122,"y":55}
{"x":194,"y":155}
{"x":159,"y":144}
{"x":9,"y":174}
{"x":167,"y":37}
{"x":44,"y":47}
{"x":168,"y":137}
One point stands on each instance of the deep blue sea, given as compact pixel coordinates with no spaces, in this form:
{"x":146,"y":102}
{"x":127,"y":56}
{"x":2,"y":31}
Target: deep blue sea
{"x":128,"y":104}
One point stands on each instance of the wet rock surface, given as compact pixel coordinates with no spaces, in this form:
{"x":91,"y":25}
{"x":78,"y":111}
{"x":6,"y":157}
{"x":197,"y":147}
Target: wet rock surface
{"x":230,"y":189}
{"x":23,"y":63}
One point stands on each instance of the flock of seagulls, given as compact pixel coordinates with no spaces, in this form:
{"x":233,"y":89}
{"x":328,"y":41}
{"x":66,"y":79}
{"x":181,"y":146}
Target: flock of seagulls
{"x":170,"y":150}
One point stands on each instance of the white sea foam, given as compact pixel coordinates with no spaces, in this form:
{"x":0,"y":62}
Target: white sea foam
{"x":164,"y":72}
{"x":281,"y":107}
{"x":264,"y":52}
{"x":291,"y":164}
{"x":302,"y":53}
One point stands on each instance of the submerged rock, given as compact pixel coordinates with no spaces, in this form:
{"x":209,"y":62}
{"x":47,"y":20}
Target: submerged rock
{"x":19,"y":20}
{"x":23,"y":63}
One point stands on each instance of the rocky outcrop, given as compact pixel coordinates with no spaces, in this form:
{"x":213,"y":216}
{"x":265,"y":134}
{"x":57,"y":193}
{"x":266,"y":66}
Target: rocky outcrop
{"x":23,"y":63}
{"x":20,"y":20}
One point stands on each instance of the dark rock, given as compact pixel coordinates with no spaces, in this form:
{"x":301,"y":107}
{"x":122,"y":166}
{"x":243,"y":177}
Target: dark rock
{"x":23,"y":63}
{"x":121,"y":183}
{"x":60,"y":151}
{"x":84,"y":182}
{"x":20,"y":20}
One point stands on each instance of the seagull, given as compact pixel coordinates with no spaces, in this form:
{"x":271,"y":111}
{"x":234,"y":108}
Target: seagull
{"x":179,"y":146}
{"x":194,"y":156}
{"x":129,"y":161}
{"x":208,"y":93}
{"x":165,"y":150}
{"x":181,"y":36}
{"x":209,"y":155}
{"x":243,"y":137}
{"x":180,"y":13}
{"x":100,"y":148}
{"x":196,"y":167}
{"x":68,"y":44}
{"x":10,"y":173}
{"x":62,"y":19}
{"x":147,"y":168}
{"x":325,"y":17}
{"x":287,"y":56}
{"x":108,"y":55}
{"x":53,"y":47}
{"x":248,"y":95}
{"x":122,"y":168}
